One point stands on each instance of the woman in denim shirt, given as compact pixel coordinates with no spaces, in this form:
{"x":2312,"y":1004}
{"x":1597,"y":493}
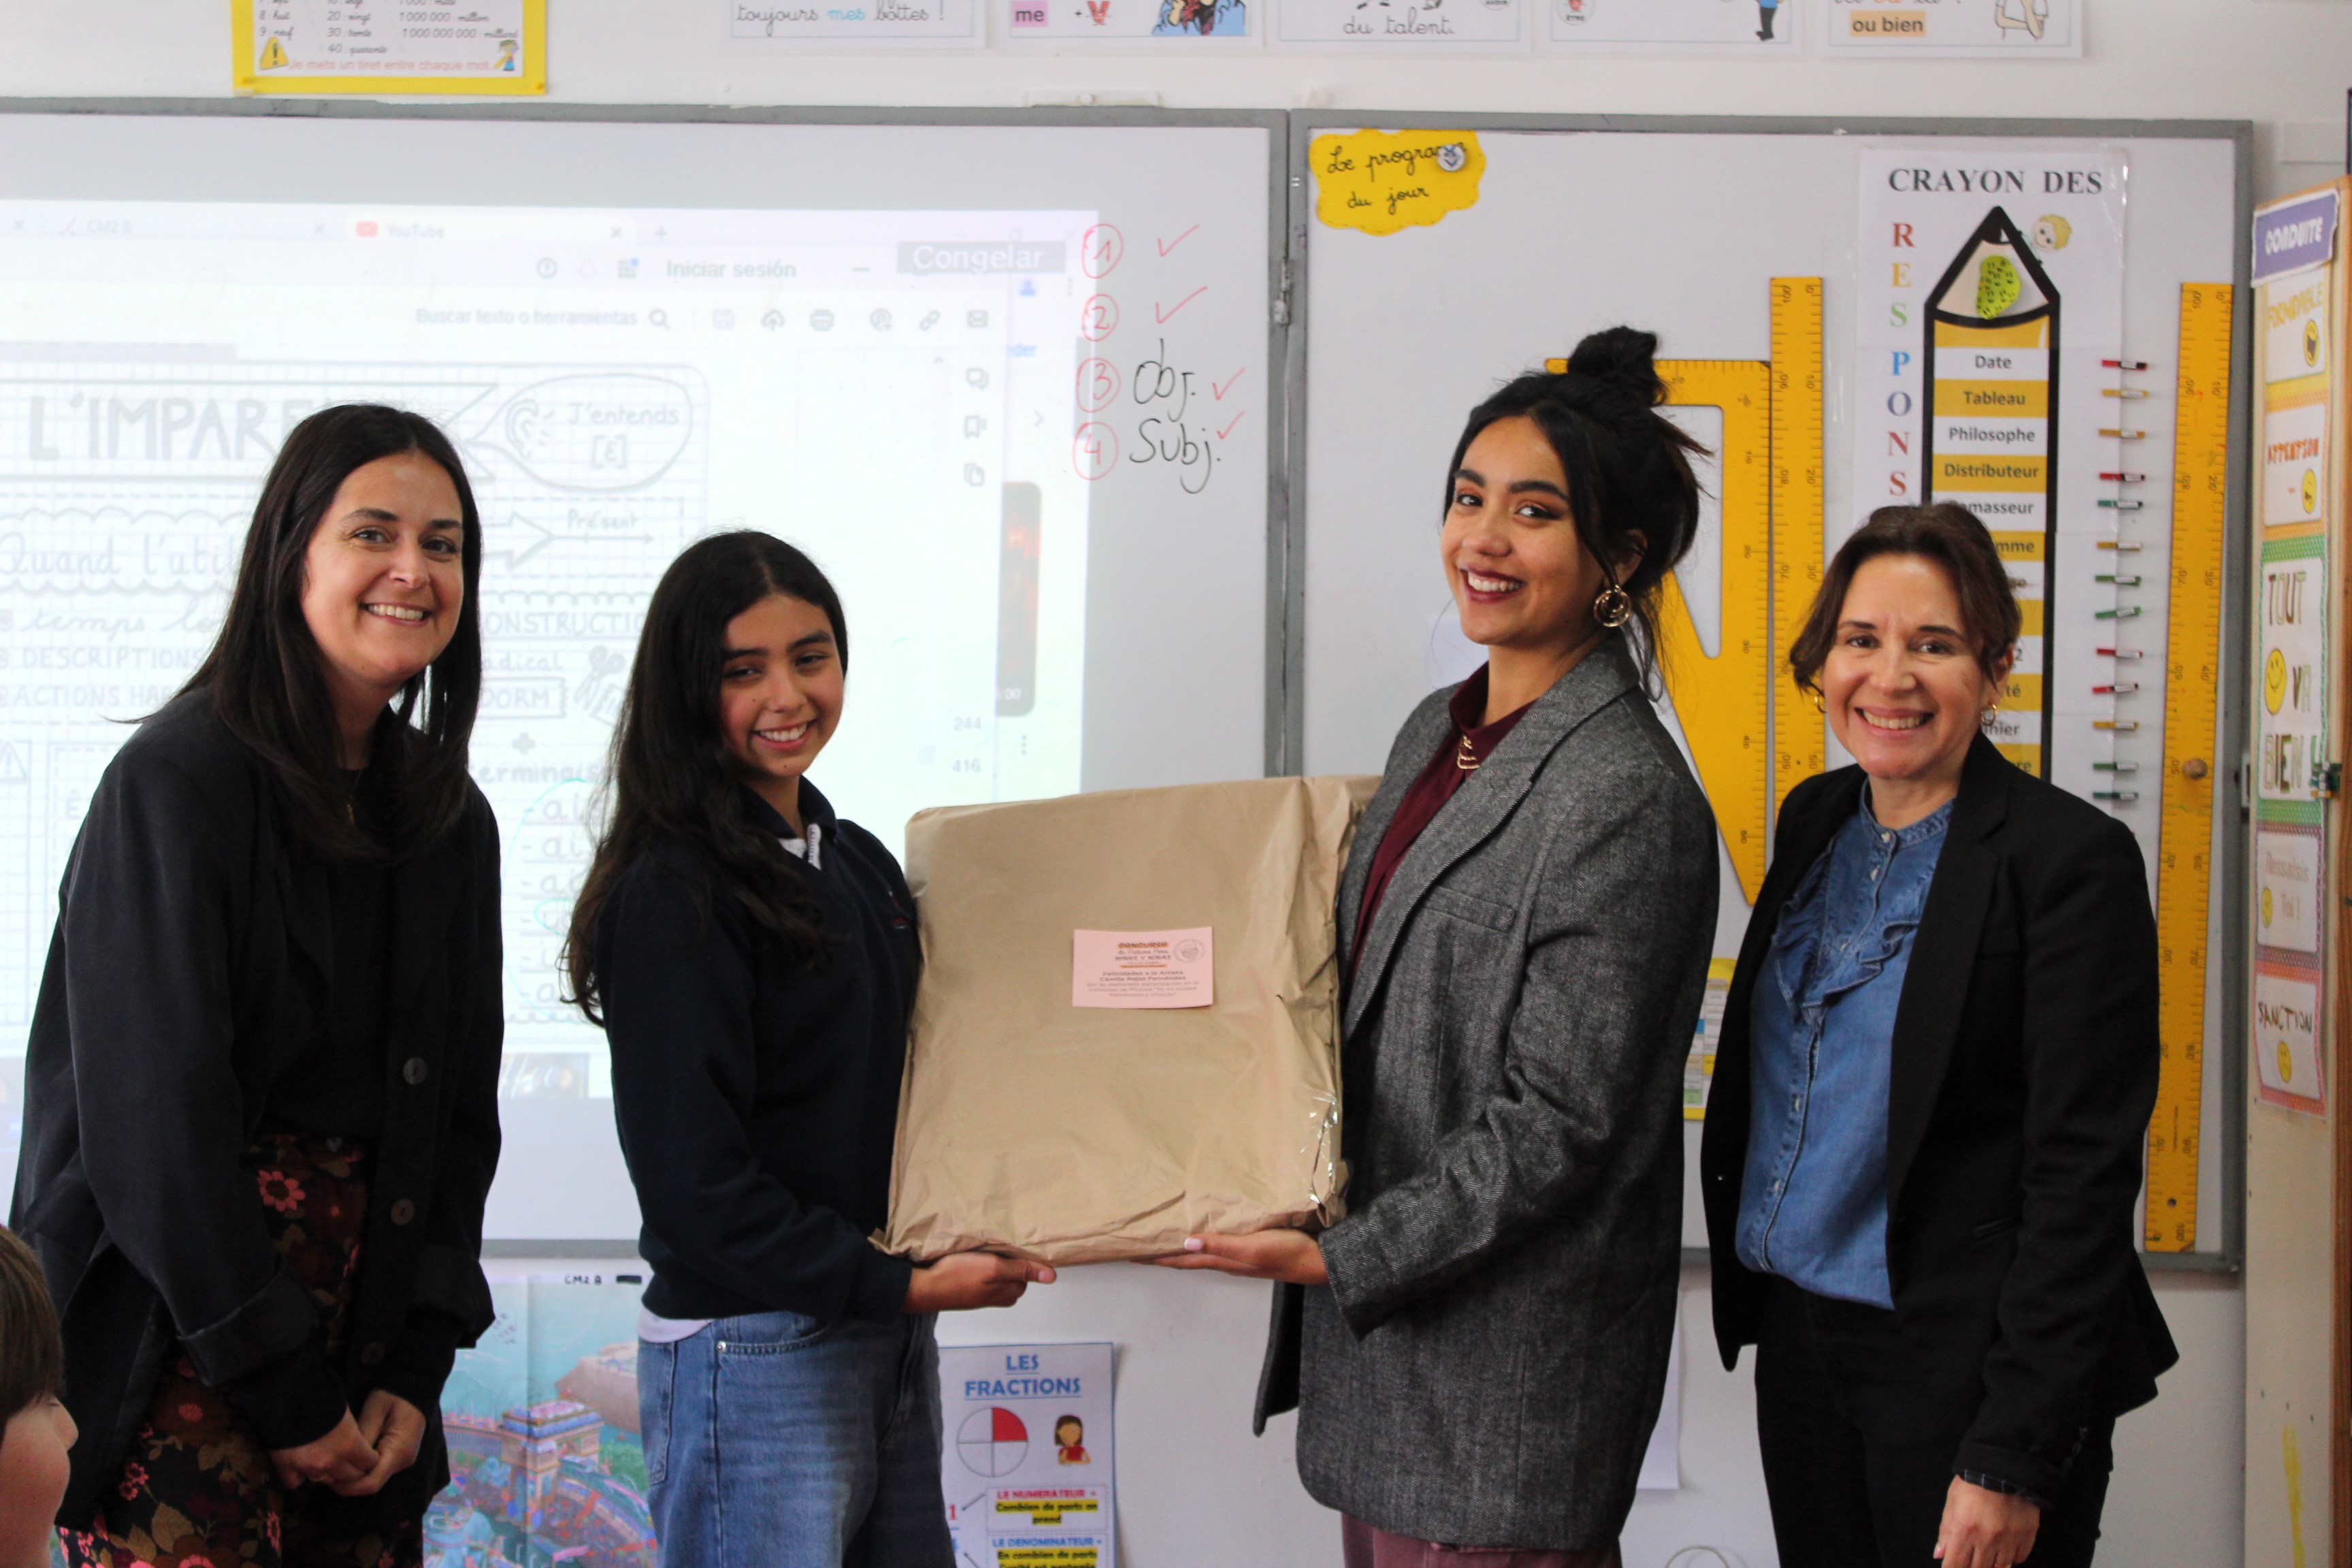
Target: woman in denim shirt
{"x":1938,"y":1059}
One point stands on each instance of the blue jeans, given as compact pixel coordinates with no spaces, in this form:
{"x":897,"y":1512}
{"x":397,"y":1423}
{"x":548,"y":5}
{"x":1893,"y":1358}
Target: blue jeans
{"x":775,"y":1441}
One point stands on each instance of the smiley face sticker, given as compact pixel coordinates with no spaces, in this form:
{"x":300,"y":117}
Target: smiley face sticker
{"x":2274,"y":680}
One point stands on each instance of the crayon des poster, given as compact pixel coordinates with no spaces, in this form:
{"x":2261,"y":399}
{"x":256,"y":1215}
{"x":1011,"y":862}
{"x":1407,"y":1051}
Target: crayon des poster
{"x":1029,"y":1461}
{"x":1990,"y":293}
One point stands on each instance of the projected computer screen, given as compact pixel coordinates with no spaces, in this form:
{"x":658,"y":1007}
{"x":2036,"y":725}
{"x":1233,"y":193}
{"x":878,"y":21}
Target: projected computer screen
{"x":1007,"y":384}
{"x":618,"y":382}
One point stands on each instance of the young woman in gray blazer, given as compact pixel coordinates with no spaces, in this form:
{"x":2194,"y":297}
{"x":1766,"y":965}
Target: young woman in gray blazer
{"x":1477,"y":1352}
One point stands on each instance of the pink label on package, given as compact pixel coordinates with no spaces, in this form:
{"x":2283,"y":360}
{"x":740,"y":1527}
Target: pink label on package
{"x":1142,"y":968}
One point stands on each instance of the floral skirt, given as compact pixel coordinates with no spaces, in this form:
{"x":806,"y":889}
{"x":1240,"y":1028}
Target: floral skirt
{"x":196,"y":1489}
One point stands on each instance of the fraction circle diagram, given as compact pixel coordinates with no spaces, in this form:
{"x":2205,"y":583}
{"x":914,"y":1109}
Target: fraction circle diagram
{"x":1098,"y":317}
{"x":992,"y":1442}
{"x":1100,"y":250}
{"x":1094,"y":450}
{"x":1098,"y":385}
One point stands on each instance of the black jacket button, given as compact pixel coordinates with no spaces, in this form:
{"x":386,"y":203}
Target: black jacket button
{"x":414,"y":1069}
{"x":403,"y":1212}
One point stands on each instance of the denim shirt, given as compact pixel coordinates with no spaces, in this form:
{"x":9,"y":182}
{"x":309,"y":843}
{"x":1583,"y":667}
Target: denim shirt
{"x":1812,"y":1197}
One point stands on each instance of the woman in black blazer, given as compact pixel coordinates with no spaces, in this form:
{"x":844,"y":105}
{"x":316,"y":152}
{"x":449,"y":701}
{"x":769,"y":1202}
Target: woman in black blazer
{"x":261,"y":1111}
{"x":1937,"y":1064}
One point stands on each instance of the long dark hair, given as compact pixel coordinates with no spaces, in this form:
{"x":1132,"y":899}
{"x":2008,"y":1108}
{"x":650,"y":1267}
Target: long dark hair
{"x":1628,"y":466}
{"x":264,"y":669}
{"x":672,"y":775}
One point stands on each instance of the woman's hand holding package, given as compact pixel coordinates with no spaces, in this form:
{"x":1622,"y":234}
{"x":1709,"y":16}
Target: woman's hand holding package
{"x":965,"y":1279}
{"x":1292,"y":1257}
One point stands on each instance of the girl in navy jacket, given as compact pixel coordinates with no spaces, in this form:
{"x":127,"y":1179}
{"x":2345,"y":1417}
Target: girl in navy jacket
{"x":753,"y":958}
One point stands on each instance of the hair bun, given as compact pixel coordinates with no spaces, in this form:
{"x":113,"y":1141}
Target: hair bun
{"x":1622,"y":359}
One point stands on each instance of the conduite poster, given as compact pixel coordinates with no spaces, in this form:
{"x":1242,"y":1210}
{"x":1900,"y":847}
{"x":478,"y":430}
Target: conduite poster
{"x":1028,"y":1464}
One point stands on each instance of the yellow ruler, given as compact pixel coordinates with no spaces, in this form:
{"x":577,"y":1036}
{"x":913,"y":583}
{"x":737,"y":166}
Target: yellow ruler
{"x":2192,"y":673}
{"x":1722,"y":702}
{"x":1798,"y":518}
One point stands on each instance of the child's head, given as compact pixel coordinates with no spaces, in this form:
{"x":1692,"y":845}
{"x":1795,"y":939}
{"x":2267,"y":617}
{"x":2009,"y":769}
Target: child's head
{"x":33,"y":1446}
{"x":1069,"y":1431}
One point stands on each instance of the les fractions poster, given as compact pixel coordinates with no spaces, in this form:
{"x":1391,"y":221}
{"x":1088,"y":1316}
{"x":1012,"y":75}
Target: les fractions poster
{"x":1028,"y":1464}
{"x":2294,"y":242}
{"x":1990,"y":289}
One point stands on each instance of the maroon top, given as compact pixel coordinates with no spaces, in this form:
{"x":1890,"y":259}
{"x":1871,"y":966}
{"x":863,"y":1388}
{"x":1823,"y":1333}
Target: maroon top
{"x":1437,"y":783}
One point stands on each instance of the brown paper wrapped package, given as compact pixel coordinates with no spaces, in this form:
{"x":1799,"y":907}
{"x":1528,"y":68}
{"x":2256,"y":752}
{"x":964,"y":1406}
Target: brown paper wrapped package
{"x":1085,"y":1134}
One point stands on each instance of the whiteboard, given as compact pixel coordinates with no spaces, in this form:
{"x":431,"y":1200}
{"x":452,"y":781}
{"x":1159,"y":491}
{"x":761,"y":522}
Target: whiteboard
{"x":1680,"y":230}
{"x":1013,"y":384}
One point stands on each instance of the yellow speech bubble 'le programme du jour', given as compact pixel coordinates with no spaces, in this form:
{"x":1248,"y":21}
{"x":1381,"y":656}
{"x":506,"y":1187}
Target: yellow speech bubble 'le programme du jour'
{"x":1382,"y":180}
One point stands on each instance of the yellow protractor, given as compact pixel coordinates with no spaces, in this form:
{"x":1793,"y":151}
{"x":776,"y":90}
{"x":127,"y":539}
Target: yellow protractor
{"x":2192,"y":674}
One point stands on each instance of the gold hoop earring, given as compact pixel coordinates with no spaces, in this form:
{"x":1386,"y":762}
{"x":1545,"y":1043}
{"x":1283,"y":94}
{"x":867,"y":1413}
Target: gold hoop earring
{"x":1613,"y":607}
{"x":1989,"y":714}
{"x":1821,"y":703}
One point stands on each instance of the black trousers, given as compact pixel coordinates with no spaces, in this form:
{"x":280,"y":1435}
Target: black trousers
{"x":1858,"y":1441}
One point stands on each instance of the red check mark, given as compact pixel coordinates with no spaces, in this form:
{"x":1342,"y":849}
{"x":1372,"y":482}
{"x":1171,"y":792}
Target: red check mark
{"x":1162,"y":316}
{"x":1168,"y":245}
{"x":1221,"y":391}
{"x":1229,"y":429}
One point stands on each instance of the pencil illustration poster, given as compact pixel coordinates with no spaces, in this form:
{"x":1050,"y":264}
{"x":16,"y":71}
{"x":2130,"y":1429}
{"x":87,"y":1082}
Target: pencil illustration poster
{"x":1028,"y":1464}
{"x":1990,"y":293}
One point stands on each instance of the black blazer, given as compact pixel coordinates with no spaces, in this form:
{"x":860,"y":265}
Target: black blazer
{"x":2024,"y":1073}
{"x":191,"y":964}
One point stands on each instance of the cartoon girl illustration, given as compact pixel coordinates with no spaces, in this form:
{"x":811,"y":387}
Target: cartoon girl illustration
{"x":1177,"y":17}
{"x":1070,"y":1433}
{"x":506,"y":60}
{"x":2027,"y":15}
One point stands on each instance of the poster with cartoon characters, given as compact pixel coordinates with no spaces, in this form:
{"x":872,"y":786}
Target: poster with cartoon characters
{"x":1704,"y":26}
{"x":1145,"y":24}
{"x":1028,"y":1464}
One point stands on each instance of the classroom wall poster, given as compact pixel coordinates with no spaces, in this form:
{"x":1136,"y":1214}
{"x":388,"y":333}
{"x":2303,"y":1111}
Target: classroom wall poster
{"x":1958,"y":29}
{"x":1772,"y":28}
{"x":1150,"y":25}
{"x":781,"y":27}
{"x":2293,"y":245}
{"x":1029,"y":1462}
{"x":1989,"y":289}
{"x":497,"y":47}
{"x":546,"y":1463}
{"x":1402,"y":27}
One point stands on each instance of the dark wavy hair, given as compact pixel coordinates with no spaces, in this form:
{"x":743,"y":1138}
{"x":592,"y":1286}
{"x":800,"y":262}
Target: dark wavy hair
{"x":264,"y":670}
{"x":1947,"y":533}
{"x":1628,"y":466}
{"x":671,"y":775}
{"x":32,"y":1357}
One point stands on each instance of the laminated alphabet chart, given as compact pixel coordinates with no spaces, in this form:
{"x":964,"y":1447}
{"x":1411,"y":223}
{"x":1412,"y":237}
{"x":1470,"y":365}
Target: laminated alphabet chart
{"x":1029,"y":1466}
{"x":484,"y":46}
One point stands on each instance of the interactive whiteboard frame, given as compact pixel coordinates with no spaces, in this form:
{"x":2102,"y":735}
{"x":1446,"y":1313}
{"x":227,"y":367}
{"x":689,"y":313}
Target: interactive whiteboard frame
{"x":2231,"y":807}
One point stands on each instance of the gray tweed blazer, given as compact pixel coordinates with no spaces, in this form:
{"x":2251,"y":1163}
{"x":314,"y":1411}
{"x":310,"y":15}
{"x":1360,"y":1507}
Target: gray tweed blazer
{"x":1484,"y":1366}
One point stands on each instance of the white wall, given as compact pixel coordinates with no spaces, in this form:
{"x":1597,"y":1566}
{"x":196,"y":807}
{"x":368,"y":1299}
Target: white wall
{"x":1191,"y":1356}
